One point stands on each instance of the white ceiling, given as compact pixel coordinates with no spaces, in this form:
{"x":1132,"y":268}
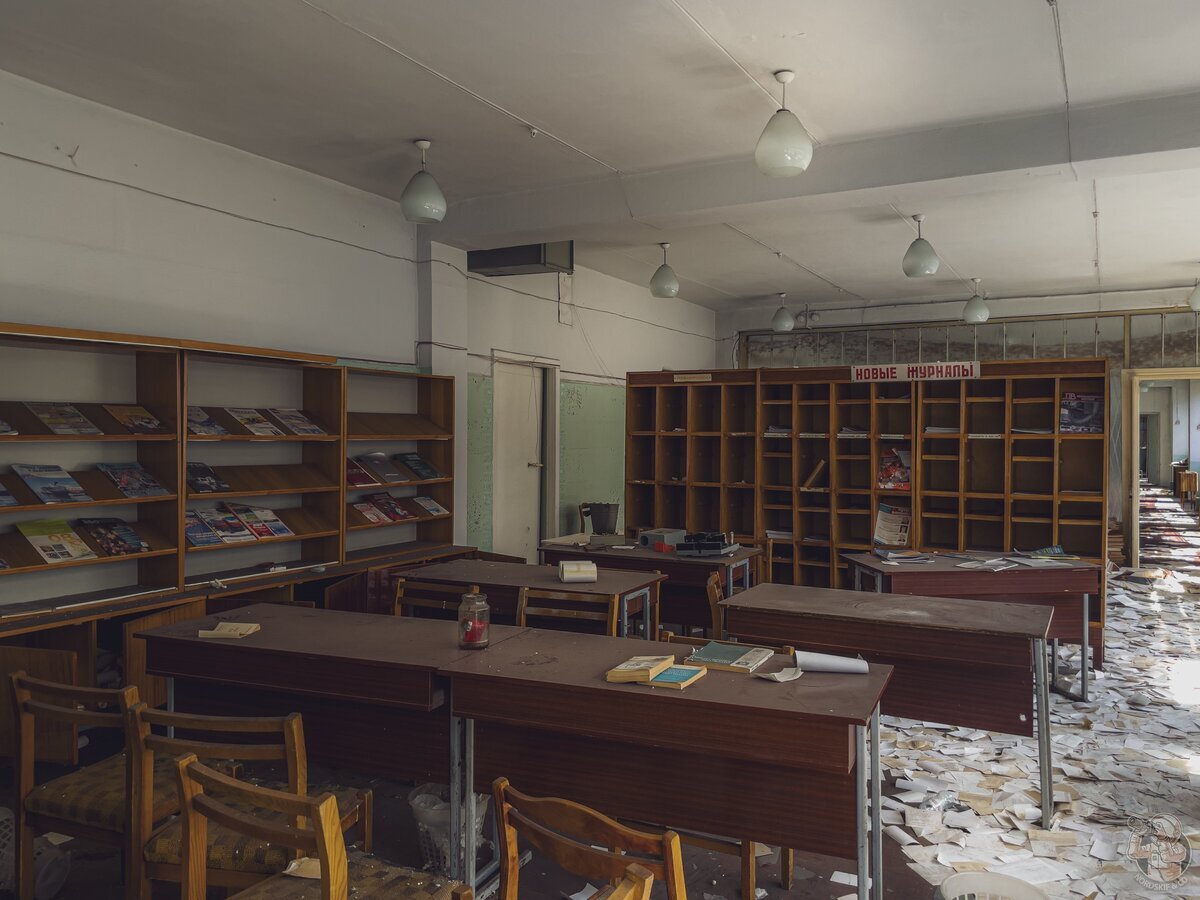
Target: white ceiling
{"x":661,"y":90}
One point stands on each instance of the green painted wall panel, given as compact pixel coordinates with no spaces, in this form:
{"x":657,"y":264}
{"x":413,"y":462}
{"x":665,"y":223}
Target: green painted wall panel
{"x":479,"y":461}
{"x":591,"y":428}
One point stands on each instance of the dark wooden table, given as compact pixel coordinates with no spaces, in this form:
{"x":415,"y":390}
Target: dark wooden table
{"x":1069,"y":589}
{"x":367,"y":685}
{"x":502,"y":581}
{"x":975,"y":663}
{"x":785,"y":764}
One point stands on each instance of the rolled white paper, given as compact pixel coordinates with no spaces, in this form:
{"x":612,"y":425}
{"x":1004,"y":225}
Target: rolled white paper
{"x":575,"y":571}
{"x":825,"y":662}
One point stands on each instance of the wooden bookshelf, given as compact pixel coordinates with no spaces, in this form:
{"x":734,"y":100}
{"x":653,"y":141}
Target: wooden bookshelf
{"x":991,"y":467}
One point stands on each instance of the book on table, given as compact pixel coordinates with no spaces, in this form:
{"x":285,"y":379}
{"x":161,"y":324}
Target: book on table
{"x":254,"y":421}
{"x":137,"y":419}
{"x":115,"y":537}
{"x":200,"y":422}
{"x":677,"y":677}
{"x":260,"y":521}
{"x":390,"y":506}
{"x":203,"y":480}
{"x":198,"y":532}
{"x":230,"y":630}
{"x":297,"y":421}
{"x":638,"y":668}
{"x":371,"y":513}
{"x":63,"y":418}
{"x":419,"y":466}
{"x":378,"y":464}
{"x":132,"y":479}
{"x":51,"y":484}
{"x":55,"y":540}
{"x":228,"y":527}
{"x":730,"y":657}
{"x":357,"y":476}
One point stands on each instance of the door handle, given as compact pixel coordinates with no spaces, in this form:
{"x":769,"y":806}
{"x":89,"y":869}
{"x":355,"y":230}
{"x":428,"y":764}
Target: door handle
{"x":536,"y":465}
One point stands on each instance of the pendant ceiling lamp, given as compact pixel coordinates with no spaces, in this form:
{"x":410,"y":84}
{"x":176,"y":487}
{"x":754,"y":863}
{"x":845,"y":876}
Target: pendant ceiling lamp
{"x":782,"y":320}
{"x":423,"y":202}
{"x":664,"y":283}
{"x":784,"y":147}
{"x":1194,"y":298}
{"x":976,"y":311}
{"x":921,"y":260}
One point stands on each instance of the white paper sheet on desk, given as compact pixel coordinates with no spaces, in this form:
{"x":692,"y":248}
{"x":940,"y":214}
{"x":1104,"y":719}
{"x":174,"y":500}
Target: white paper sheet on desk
{"x":825,"y":662}
{"x":782,"y":675}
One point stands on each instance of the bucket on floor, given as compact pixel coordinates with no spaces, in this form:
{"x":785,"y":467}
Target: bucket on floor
{"x":431,"y":808}
{"x":51,"y":865}
{"x":987,"y":886}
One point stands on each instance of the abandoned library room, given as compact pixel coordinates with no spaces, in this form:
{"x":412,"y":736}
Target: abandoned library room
{"x":600,"y":449}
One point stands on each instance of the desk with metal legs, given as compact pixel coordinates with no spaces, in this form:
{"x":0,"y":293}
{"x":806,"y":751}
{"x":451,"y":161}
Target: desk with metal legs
{"x":959,"y":662}
{"x":787,"y":764}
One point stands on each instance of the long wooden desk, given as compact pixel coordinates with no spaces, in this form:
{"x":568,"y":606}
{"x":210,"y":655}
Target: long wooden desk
{"x":961,"y":662}
{"x":785,"y":764}
{"x":1069,"y":589}
{"x":502,"y":581}
{"x":367,"y":685}
{"x":782,"y":763}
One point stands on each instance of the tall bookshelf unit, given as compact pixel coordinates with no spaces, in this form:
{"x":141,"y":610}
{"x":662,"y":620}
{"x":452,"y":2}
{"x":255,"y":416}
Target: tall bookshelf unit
{"x":991,"y":467}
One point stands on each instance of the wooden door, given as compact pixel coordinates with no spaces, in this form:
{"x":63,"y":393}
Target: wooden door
{"x":517,"y":463}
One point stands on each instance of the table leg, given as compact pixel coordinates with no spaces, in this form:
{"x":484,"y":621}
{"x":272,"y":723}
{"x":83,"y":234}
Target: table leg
{"x":857,"y":576}
{"x":171,"y":705}
{"x":647,"y":620}
{"x":1045,"y":763}
{"x":876,"y":806}
{"x":746,"y":574}
{"x":1054,"y":661}
{"x":879,"y":582}
{"x":462,"y":799}
{"x":860,"y":810}
{"x":1083,"y":651}
{"x":623,"y":615}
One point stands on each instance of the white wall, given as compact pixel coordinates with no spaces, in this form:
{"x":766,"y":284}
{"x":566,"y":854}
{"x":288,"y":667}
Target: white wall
{"x":174,"y":248}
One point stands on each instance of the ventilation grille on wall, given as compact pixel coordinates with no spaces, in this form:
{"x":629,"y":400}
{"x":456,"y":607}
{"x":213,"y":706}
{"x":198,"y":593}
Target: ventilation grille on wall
{"x":528,"y":259}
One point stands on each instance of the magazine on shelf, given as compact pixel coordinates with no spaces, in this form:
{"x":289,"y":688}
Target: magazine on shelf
{"x":419,"y":466}
{"x":197,"y":531}
{"x":895,"y":470}
{"x":892,"y":525}
{"x":6,"y":428}
{"x":260,"y":521}
{"x":228,"y":527}
{"x":431,"y":506}
{"x":200,"y":422}
{"x":6,"y":497}
{"x":114,"y":536}
{"x":371,"y":513}
{"x":777,"y":535}
{"x":55,"y":540}
{"x":51,"y":484}
{"x":357,"y":476}
{"x":62,"y":418}
{"x":137,"y":419}
{"x":296,"y":421}
{"x":254,"y":421}
{"x":132,"y":480}
{"x":203,"y":480}
{"x":941,"y":429}
{"x":1081,"y":413}
{"x":390,"y":506}
{"x":378,"y":464}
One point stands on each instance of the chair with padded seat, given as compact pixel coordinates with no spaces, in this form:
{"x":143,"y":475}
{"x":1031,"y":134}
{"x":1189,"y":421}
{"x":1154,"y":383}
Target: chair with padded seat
{"x":93,"y":801}
{"x":299,"y":822}
{"x":234,"y":860}
{"x":439,"y":599}
{"x":582,"y":841}
{"x":568,"y":606}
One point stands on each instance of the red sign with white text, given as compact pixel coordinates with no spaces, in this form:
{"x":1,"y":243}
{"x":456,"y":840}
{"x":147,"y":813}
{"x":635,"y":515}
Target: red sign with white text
{"x":942,"y":371}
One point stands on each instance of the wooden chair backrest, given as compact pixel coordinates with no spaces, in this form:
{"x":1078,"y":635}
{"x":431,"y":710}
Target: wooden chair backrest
{"x":222,"y":738}
{"x":569,"y":834}
{"x":635,"y":885}
{"x":540,"y":603}
{"x":716,"y":593}
{"x":412,"y":592}
{"x":205,"y":794}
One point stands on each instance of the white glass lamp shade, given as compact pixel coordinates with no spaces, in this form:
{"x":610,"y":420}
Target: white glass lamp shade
{"x":783,"y":320}
{"x":423,"y":202}
{"x":664,"y":283}
{"x":921,"y":260}
{"x":1194,"y":298}
{"x":976,"y":311}
{"x":784,"y":147}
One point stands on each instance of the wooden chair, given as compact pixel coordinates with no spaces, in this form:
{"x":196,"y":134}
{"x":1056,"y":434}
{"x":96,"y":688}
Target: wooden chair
{"x":441,"y":598}
{"x":635,"y":885}
{"x":270,"y":817}
{"x":233,"y":860}
{"x":569,"y":605}
{"x":716,"y":593}
{"x":569,"y":834}
{"x":91,"y":802}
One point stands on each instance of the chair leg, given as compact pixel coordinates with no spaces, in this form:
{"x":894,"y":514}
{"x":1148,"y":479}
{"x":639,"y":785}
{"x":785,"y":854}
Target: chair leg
{"x":787,"y":867}
{"x":366,"y":822}
{"x":749,"y":869}
{"x":23,"y":838}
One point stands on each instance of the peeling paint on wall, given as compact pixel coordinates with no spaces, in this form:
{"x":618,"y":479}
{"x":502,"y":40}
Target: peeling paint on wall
{"x":591,"y":449}
{"x":479,"y":461}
